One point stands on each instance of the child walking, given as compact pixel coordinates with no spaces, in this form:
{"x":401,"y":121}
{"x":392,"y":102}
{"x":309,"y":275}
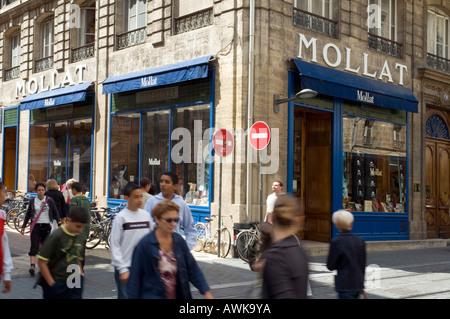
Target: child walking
{"x":129,"y":226}
{"x":60,"y":258}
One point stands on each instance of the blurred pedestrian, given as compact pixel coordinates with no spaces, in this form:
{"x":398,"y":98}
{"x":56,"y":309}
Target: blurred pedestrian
{"x":285,"y":273}
{"x":80,"y":200}
{"x":6,"y":263}
{"x":347,"y":255}
{"x":169,"y":186}
{"x":129,"y":226}
{"x":42,"y":211}
{"x":60,"y":257}
{"x":58,"y":197}
{"x":145,"y":184}
{"x":162,"y":265}
{"x":277,"y":188}
{"x":67,"y":192}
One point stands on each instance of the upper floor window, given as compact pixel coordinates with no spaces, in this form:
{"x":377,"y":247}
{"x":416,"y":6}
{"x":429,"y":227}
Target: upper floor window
{"x":86,"y":32}
{"x":384,"y":21}
{"x":438,"y":33}
{"x":15,"y":50}
{"x":47,"y":38}
{"x":438,"y":37}
{"x":135,"y":14}
{"x":317,"y":15}
{"x":193,"y":14}
{"x":323,"y":8}
{"x":83,"y":36}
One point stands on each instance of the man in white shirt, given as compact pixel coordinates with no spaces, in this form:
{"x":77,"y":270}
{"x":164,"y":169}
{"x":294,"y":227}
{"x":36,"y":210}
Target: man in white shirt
{"x":129,"y":226}
{"x":277,"y":187}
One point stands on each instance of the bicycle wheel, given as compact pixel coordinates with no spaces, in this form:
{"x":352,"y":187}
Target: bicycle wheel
{"x":225,"y":242}
{"x":95,"y":236}
{"x":201,"y":237}
{"x":10,"y":216}
{"x":18,"y":222}
{"x":244,"y":242}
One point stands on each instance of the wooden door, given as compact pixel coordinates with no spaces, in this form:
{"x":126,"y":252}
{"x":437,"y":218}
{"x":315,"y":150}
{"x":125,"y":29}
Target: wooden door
{"x":437,"y":189}
{"x":9,"y":164}
{"x":317,"y":190}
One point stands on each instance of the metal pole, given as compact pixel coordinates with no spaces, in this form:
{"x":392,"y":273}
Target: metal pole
{"x":220,"y":207}
{"x":260,"y":190}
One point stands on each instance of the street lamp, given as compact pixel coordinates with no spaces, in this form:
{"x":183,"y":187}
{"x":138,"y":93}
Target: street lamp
{"x":303,"y":94}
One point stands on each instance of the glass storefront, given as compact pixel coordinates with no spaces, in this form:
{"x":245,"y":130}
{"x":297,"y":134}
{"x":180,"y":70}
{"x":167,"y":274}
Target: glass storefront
{"x":60,"y":145}
{"x":164,"y":129}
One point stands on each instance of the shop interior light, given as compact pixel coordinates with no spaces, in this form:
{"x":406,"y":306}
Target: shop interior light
{"x":303,"y":94}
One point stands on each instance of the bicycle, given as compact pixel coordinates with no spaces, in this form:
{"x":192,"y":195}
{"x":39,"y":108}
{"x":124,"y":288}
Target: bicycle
{"x":101,"y":224}
{"x":206,"y":242}
{"x":246,"y":240}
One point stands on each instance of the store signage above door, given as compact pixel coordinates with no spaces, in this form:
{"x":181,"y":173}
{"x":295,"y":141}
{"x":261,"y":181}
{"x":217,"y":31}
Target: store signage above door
{"x":43,"y":84}
{"x":332,"y":55}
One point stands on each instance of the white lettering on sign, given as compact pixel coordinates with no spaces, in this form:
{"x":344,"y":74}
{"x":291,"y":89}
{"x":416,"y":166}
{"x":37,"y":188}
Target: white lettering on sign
{"x":49,"y":102}
{"x":365,"y":97}
{"x":33,"y":86}
{"x":332,"y":50}
{"x":149,"y":81}
{"x":260,"y":135}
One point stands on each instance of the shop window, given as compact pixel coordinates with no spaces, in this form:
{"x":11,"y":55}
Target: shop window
{"x":374,"y":165}
{"x":124,"y":152}
{"x":169,"y":139}
{"x":61,"y":149}
{"x":438,"y":38}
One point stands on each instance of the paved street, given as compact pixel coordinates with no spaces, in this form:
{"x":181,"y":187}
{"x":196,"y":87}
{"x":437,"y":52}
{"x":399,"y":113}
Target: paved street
{"x":417,"y":273}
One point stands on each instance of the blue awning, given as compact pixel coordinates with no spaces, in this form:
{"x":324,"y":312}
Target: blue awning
{"x":352,"y":87}
{"x":174,"y":73}
{"x":65,"y":95}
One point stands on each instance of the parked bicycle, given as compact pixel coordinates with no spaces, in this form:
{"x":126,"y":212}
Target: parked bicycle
{"x":101,"y":224}
{"x":206,"y":242}
{"x":246,"y":240}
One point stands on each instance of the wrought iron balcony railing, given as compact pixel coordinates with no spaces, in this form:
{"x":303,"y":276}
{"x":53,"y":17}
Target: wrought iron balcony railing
{"x":386,"y":46}
{"x":84,"y":52}
{"x":194,"y":21}
{"x":130,"y":38}
{"x":438,"y":63}
{"x":12,"y":73}
{"x":316,"y":23}
{"x":43,"y":64}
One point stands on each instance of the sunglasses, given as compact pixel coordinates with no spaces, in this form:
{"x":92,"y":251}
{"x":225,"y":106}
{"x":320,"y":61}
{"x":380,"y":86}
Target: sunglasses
{"x":169,"y":220}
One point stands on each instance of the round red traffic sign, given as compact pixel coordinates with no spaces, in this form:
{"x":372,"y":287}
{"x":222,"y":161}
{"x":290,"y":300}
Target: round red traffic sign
{"x":259,"y":135}
{"x":223,"y":142}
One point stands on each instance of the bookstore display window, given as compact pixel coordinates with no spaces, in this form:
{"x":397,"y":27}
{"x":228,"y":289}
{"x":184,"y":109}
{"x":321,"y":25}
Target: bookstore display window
{"x":61,"y":149}
{"x":374,"y":165}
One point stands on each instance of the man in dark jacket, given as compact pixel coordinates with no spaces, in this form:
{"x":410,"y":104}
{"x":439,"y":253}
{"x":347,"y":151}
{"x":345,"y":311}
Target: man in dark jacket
{"x":347,"y":255}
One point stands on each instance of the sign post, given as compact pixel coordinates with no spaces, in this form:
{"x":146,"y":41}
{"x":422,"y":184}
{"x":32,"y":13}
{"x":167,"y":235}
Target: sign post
{"x":223,"y":145}
{"x":259,"y":137}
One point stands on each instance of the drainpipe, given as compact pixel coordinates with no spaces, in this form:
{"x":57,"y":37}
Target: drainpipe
{"x":94,"y":146}
{"x":251,"y":76}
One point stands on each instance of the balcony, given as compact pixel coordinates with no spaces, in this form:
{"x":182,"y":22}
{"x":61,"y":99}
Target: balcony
{"x":438,"y":63}
{"x":385,"y":46}
{"x":82,"y":53}
{"x":130,"y":38}
{"x":43,"y":64}
{"x":194,"y":21}
{"x":316,"y":23}
{"x":12,"y":73}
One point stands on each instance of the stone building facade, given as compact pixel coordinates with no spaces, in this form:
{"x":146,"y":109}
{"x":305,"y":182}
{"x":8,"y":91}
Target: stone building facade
{"x":71,"y":107}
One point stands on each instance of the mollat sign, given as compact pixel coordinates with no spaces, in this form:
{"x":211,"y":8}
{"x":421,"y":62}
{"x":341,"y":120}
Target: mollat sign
{"x":352,"y":64}
{"x":34,"y":85}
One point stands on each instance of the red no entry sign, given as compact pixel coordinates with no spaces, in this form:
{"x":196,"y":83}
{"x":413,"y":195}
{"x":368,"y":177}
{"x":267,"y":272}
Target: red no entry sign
{"x":259,"y":135}
{"x":223,"y":142}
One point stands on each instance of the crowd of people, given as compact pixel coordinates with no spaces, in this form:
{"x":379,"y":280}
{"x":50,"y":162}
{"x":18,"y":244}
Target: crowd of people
{"x":150,"y":257}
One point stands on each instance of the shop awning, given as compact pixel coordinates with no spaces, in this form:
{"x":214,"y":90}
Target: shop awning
{"x":174,"y":73}
{"x":357,"y":88}
{"x":65,"y":95}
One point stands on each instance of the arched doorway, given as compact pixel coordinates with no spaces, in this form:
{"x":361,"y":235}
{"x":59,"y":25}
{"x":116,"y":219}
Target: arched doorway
{"x":437,"y":152}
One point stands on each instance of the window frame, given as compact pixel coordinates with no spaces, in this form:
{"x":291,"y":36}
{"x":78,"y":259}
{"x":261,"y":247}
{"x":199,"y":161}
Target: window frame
{"x":392,"y":21}
{"x":47,"y":32}
{"x":324,"y":3}
{"x":436,"y":13}
{"x":140,"y":10}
